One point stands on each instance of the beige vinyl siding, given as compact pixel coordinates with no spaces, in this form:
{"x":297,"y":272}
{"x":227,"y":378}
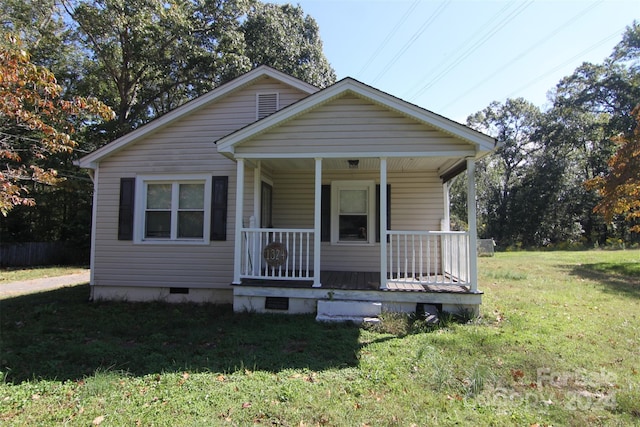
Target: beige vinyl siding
{"x":186,"y":146}
{"x":351,"y":124}
{"x":417,"y":203}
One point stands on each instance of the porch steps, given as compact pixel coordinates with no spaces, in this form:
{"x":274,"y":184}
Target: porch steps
{"x":348,"y":311}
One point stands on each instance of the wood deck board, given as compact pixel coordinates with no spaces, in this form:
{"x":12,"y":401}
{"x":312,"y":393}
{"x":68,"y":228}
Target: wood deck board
{"x":349,"y":280}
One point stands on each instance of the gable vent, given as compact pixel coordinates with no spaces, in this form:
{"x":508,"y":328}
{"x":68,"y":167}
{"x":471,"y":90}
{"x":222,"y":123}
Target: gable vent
{"x":267,"y":104}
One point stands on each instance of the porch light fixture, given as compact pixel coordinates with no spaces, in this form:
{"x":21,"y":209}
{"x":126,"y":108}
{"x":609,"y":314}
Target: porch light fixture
{"x":353,"y":164}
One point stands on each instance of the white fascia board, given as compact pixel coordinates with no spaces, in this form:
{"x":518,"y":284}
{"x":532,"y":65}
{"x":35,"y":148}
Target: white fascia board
{"x":348,"y":155}
{"x":481,"y":141}
{"x":91,"y":160}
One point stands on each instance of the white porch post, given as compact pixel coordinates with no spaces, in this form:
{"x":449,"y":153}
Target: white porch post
{"x":317,"y":224}
{"x":383,"y":223}
{"x":257,"y":193}
{"x":473,"y":227}
{"x":446,"y":221}
{"x":237,"y":252}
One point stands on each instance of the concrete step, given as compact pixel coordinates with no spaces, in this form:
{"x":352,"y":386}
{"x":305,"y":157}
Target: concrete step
{"x":348,"y":311}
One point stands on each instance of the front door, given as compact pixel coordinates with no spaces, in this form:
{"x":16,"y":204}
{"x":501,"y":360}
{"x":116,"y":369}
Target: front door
{"x":266,"y":208}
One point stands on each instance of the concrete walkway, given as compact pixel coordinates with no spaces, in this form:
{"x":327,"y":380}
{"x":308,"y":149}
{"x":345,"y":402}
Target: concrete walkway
{"x":12,"y":289}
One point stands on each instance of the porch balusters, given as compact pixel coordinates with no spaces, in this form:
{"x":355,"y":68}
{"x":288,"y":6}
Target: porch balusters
{"x":290,"y":259}
{"x":428,"y":257}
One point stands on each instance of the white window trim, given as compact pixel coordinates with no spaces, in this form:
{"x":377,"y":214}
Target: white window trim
{"x":336,"y":186}
{"x":141,"y":203}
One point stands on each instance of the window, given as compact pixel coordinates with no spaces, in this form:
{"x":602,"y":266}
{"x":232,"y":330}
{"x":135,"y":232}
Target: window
{"x":174,"y":210}
{"x":353,"y":208}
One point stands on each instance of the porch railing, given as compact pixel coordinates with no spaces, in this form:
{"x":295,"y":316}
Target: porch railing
{"x":277,"y":253}
{"x":428,"y":257}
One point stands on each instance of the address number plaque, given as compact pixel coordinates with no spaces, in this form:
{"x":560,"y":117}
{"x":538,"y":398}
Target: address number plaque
{"x":275,"y":254}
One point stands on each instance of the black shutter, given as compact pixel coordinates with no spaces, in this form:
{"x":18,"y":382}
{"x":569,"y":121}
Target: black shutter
{"x":325,"y":214}
{"x":125,"y":210}
{"x":378,"y":211}
{"x":219,"y":187}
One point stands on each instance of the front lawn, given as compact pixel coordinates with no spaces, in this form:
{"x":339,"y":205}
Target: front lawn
{"x":558,"y":343}
{"x":15,"y":274}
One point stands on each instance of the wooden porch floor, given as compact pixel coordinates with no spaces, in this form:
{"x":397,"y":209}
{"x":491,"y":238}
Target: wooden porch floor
{"x":361,"y":281}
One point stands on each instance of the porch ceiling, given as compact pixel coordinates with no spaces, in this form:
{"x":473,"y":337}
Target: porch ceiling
{"x":364,"y":164}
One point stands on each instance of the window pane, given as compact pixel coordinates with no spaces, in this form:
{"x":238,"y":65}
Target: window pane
{"x":353,"y":228}
{"x":191,"y":196}
{"x":353,"y":201}
{"x":158,"y":225}
{"x":158,"y":196}
{"x":190,"y":224}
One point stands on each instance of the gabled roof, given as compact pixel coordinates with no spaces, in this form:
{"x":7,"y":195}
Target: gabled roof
{"x":482,"y":142}
{"x":91,"y":160}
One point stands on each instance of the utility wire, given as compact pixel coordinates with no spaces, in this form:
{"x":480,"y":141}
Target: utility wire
{"x":524,"y":53}
{"x":521,"y":7}
{"x":393,"y":31}
{"x":412,"y":40}
{"x":475,"y":36}
{"x":28,"y":139}
{"x":568,"y":61}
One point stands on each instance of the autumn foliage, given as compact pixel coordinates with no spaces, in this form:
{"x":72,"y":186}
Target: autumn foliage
{"x":36,"y":121}
{"x":620,"y":188}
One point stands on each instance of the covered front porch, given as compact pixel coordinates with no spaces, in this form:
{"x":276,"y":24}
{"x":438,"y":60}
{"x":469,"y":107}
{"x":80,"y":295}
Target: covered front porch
{"x":353,"y":180}
{"x":298,"y":265}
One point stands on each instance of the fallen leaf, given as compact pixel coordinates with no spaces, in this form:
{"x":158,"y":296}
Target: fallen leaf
{"x":98,"y":420}
{"x":220,"y":378}
{"x":246,"y":405}
{"x":517,"y":374}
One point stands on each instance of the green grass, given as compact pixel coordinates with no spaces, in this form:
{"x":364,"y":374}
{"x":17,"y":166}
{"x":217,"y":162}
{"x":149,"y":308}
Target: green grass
{"x":558,"y":343}
{"x":11,"y":274}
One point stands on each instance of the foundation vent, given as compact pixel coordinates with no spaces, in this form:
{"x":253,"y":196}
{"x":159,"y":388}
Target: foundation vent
{"x":276,"y":303}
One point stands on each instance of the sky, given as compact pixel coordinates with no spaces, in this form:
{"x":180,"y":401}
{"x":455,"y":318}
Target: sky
{"x":455,"y":57}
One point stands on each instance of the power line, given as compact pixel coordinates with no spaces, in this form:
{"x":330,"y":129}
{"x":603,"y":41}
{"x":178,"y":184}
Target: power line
{"x":523,"y":54}
{"x":33,"y":140}
{"x":499,"y":26}
{"x":393,"y":31}
{"x":413,"y":39}
{"x":473,"y":37}
{"x":568,"y":61}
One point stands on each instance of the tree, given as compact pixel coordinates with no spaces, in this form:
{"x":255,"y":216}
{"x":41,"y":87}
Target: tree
{"x":36,"y":123}
{"x":515,"y":124}
{"x":620,"y":187}
{"x":591,"y":107}
{"x":148,"y":57}
{"x":282,"y":37}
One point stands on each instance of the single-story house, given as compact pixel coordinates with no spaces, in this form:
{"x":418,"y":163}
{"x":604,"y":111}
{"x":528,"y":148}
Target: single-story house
{"x":272,"y":194}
